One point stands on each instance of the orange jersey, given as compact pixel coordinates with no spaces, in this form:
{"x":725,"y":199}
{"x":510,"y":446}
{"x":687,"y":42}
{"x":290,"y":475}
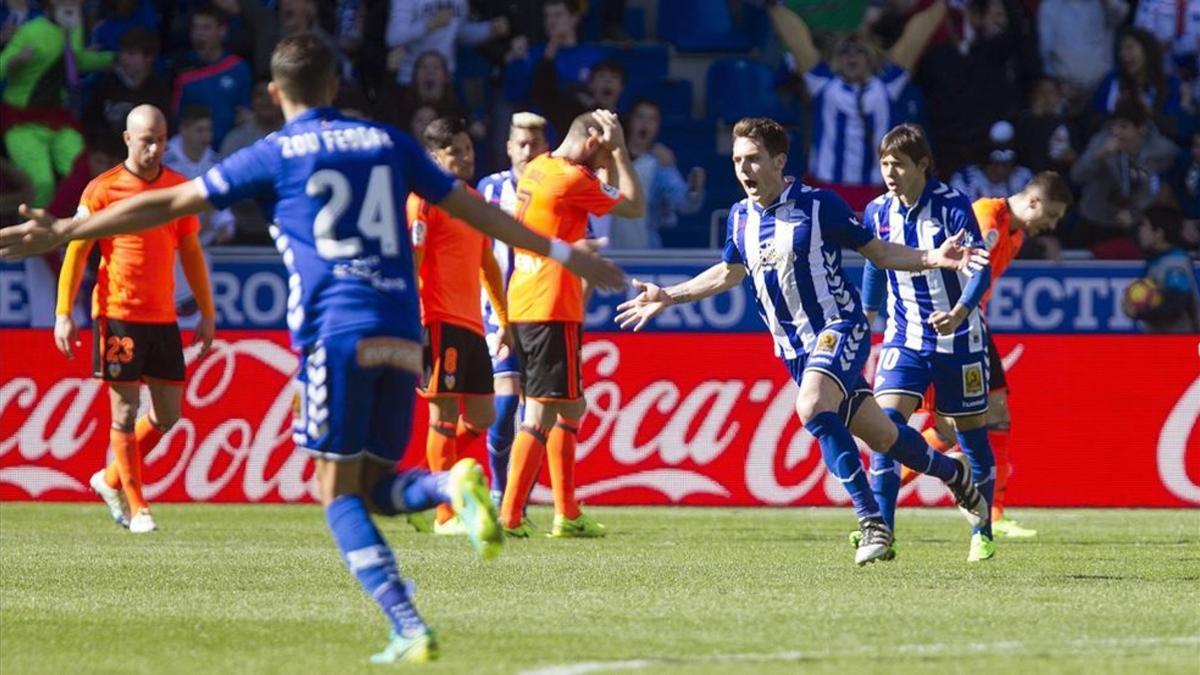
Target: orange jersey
{"x":1002,"y":241}
{"x":136,"y":280}
{"x":554,"y":198}
{"x":452,"y":255}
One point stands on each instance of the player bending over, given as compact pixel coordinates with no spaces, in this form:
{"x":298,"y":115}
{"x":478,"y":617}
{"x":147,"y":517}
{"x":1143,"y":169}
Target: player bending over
{"x":136,"y":337}
{"x":789,"y":238}
{"x":338,"y":186}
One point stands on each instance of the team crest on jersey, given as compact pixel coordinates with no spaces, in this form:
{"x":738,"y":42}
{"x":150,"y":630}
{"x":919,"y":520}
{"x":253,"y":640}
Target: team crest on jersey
{"x":418,"y":233}
{"x":114,"y":369}
{"x":991,"y":239}
{"x":973,"y":385}
{"x":827,"y":344}
{"x":609,"y":190}
{"x":770,"y":256}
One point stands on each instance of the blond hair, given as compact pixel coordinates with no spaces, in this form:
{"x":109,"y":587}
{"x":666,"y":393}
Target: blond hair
{"x":528,"y":120}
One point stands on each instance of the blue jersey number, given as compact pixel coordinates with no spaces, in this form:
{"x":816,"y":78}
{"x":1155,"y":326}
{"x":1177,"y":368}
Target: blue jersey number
{"x":376,"y":219}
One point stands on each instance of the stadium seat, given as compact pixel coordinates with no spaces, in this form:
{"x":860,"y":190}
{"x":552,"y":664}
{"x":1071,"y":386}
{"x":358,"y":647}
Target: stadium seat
{"x":699,"y":26}
{"x":635,"y":23}
{"x":739,"y":88}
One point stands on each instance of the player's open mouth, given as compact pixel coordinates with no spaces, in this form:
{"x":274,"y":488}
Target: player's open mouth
{"x":750,"y":183}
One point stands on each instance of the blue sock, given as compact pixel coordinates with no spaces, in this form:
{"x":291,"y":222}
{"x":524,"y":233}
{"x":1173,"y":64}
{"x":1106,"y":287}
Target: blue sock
{"x":843,"y":461}
{"x":975,"y":446}
{"x":500,"y":440}
{"x":911,"y":450}
{"x":885,"y":484}
{"x":370,"y":560}
{"x":411,"y":491}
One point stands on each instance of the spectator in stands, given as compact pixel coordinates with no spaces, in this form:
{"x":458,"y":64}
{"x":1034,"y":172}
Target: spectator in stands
{"x":573,"y":61}
{"x":130,"y":83}
{"x":37,"y":113}
{"x":1139,"y":71}
{"x":667,"y":193}
{"x":852,"y":98}
{"x":14,"y":13}
{"x":1171,"y":269}
{"x":1184,"y":183}
{"x":421,"y":118}
{"x":249,"y":222}
{"x":1076,"y":41}
{"x":562,"y":102}
{"x":120,"y":16}
{"x":190,"y":153}
{"x":999,"y":175}
{"x":431,"y":85}
{"x":419,"y":26}
{"x":1045,"y":136}
{"x":211,"y":76}
{"x":269,"y":22}
{"x":974,"y":79}
{"x":1175,"y":24}
{"x":1121,"y":175}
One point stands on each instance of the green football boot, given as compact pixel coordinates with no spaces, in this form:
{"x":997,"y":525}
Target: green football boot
{"x":470,"y":500}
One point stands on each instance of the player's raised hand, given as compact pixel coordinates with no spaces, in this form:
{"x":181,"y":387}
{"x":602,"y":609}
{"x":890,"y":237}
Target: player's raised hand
{"x":66,"y":335}
{"x":953,"y":255}
{"x":612,"y":136}
{"x":206,"y":330}
{"x":34,"y":236}
{"x":650,"y":301}
{"x":597,"y":270}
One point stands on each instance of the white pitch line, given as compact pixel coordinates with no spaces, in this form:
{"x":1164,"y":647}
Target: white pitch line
{"x":939,"y":648}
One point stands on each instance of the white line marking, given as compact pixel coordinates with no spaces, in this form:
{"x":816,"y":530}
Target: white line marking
{"x":937,"y":648}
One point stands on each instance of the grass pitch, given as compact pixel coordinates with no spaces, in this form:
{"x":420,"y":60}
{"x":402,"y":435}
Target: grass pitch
{"x":231,"y":589}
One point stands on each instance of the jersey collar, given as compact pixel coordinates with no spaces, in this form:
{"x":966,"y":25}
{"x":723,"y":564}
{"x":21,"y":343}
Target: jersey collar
{"x":789,"y":182}
{"x":909,"y":212}
{"x":315,"y":114}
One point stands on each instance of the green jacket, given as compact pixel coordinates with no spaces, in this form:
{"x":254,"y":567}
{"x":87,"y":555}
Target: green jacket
{"x":42,"y":81}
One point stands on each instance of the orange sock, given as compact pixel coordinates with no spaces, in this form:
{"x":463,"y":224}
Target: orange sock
{"x":467,"y":434}
{"x":560,"y":452}
{"x":147,"y":435}
{"x":129,"y":466}
{"x":527,"y":452}
{"x":998,"y":439}
{"x":441,"y":452}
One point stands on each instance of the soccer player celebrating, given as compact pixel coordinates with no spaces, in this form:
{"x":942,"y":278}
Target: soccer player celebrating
{"x":337,"y":185}
{"x":526,"y":140}
{"x":458,"y":369}
{"x":136,"y":334}
{"x":556,"y":193}
{"x":1004,"y":225}
{"x":789,"y":237}
{"x":935,"y":331}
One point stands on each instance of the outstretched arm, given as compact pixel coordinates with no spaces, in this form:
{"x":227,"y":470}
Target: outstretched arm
{"x":950,"y":255}
{"x":916,"y":34}
{"x":796,"y":36}
{"x":143,"y":211}
{"x":579,"y":258}
{"x":653,"y":299}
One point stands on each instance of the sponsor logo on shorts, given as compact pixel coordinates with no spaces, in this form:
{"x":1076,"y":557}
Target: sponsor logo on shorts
{"x":389,"y":352}
{"x":827,"y":344}
{"x":973,"y":384}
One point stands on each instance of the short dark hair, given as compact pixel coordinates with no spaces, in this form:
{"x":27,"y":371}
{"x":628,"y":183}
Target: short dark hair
{"x":138,"y":39}
{"x":1054,"y":188}
{"x":209,"y":11}
{"x":194,"y":113}
{"x":571,"y":5}
{"x":608,"y":65}
{"x":908,"y":140}
{"x":1129,"y":107}
{"x":1168,"y":220}
{"x":441,"y":132}
{"x":764,"y":131}
{"x":304,"y":66}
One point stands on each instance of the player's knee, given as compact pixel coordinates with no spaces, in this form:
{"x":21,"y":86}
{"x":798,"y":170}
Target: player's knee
{"x":896,"y":416}
{"x":165,"y":420}
{"x":972,"y":422}
{"x":809,"y":405}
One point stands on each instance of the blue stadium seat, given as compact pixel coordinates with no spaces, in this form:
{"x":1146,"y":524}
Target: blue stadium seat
{"x":739,"y":88}
{"x":700,"y":26}
{"x":635,"y":23}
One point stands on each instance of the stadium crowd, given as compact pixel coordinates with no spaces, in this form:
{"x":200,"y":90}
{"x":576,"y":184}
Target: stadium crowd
{"x":1103,"y":91}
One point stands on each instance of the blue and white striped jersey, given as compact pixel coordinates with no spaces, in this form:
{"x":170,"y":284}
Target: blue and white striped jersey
{"x":793,"y":252}
{"x":499,"y":189}
{"x":912,"y":297}
{"x":849,"y":121}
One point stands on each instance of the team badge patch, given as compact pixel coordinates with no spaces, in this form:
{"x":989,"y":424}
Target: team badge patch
{"x":612,"y":192}
{"x":114,"y":369}
{"x":991,"y":239}
{"x":827,"y":344}
{"x":973,"y":385}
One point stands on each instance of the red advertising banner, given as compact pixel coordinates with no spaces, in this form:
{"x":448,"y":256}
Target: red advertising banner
{"x":674,"y":418}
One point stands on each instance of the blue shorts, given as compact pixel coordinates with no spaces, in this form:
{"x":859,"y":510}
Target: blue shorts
{"x":352,"y":397}
{"x":960,"y":380}
{"x":840,"y":352}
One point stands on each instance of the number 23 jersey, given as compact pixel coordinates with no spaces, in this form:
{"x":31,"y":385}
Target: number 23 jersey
{"x":337,"y":186}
